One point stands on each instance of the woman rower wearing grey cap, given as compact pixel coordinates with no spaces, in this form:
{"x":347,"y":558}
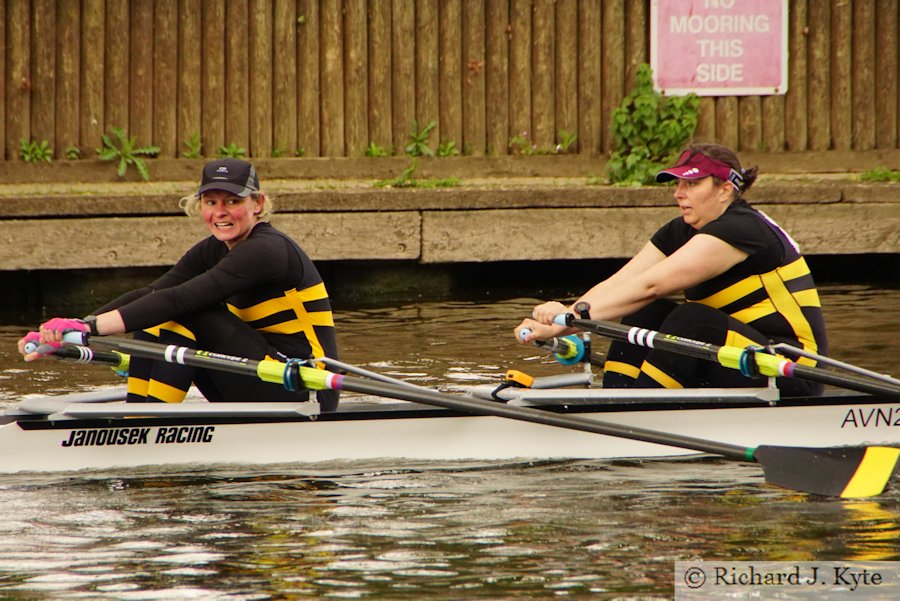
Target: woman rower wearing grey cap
{"x":744,"y":278}
{"x":247,"y":290}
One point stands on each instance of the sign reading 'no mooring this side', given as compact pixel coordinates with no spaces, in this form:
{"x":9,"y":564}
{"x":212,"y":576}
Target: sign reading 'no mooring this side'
{"x":719,"y":47}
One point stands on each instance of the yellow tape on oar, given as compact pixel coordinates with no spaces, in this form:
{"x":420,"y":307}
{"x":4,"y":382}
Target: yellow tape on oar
{"x":768,"y":365}
{"x":269,"y":370}
{"x":874,"y":472}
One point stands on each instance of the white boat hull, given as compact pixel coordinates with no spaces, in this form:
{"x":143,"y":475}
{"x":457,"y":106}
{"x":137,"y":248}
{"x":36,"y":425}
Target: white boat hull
{"x":408,"y":431}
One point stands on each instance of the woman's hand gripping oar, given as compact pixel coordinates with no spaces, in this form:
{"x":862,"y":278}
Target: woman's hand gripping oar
{"x":840,"y":471}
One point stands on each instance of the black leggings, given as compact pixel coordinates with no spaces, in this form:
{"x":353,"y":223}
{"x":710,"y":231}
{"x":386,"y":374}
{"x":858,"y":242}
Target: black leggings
{"x":632,"y":366}
{"x":220,"y":331}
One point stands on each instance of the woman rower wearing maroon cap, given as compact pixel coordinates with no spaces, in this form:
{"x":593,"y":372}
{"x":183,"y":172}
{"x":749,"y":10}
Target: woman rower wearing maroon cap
{"x":247,"y":290}
{"x":743,"y":277}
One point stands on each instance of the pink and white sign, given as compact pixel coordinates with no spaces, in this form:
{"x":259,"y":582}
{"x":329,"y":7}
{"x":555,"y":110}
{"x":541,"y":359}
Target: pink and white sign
{"x":719,"y":47}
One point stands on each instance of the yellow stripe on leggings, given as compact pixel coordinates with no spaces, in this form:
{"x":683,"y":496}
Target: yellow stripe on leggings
{"x":620,"y":367}
{"x":660,"y":376}
{"x":165,"y":392}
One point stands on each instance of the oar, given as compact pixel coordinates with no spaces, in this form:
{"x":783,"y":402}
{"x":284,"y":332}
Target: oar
{"x":840,"y":471}
{"x":82,"y":354}
{"x":729,"y":356}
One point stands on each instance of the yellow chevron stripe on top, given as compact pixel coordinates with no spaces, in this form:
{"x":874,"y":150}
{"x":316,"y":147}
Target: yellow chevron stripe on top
{"x":659,"y":376}
{"x":873,"y":473}
{"x":732,"y":293}
{"x":172,"y":326}
{"x":794,"y":270}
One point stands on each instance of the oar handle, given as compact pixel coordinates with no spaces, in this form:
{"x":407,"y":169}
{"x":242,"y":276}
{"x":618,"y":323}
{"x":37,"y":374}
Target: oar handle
{"x":567,"y":350}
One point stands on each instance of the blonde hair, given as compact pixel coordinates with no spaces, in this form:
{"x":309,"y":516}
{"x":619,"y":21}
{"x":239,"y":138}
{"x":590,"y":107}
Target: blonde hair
{"x":190,"y":204}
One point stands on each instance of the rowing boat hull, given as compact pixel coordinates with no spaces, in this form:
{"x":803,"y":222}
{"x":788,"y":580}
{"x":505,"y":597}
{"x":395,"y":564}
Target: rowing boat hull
{"x":370,"y":431}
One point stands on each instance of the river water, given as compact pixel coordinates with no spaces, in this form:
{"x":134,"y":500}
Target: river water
{"x":544,"y":530}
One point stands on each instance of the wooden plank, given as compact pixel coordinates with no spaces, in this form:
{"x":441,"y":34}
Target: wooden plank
{"x":496,"y":68}
{"x":212,"y":116}
{"x":706,"y":120}
{"x":543,"y":109}
{"x":403,"y":77}
{"x":117,"y":42}
{"x":332,"y":78}
{"x":842,"y":75}
{"x":356,"y":66}
{"x":727,"y":121}
{"x":818,"y":106}
{"x":92,"y":113}
{"x":68,"y":76}
{"x":261,"y":61}
{"x":773,"y":124}
{"x":613,"y":62}
{"x":450,"y":74}
{"x":284,"y":84}
{"x":796,"y":118}
{"x":140,"y":89}
{"x":520,"y":69}
{"x":566,"y":67}
{"x":863,"y":75}
{"x":474,"y":136}
{"x":309,"y":84}
{"x":427,"y":70}
{"x":590,"y":105}
{"x":749,"y":123}
{"x":165,"y":77}
{"x":637,"y":45}
{"x":190,"y":75}
{"x":887,"y":94}
{"x":380,"y":65}
{"x":237,"y":73}
{"x":43,"y":76}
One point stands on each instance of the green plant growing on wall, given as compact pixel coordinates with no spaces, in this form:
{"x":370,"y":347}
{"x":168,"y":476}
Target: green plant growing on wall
{"x":277,"y":152}
{"x":520,"y":144}
{"x":34,"y":152}
{"x":119,"y":147}
{"x":232,"y":151}
{"x":880,"y":174}
{"x":300,"y":151}
{"x":374,"y":150}
{"x":406,"y":180}
{"x":649,"y":131}
{"x":194,"y":147}
{"x":73,"y":153}
{"x":418,"y":140}
{"x":447,"y":149}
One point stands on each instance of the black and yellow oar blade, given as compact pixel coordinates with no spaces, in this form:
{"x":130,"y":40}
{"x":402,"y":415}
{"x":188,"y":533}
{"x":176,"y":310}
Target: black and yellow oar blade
{"x":848,"y":472}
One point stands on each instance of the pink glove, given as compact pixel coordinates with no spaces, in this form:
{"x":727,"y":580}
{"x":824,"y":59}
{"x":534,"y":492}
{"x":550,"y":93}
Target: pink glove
{"x":49,"y":338}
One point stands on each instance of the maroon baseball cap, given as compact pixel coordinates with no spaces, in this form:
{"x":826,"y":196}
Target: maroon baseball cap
{"x":232,"y":175}
{"x":696,"y":165}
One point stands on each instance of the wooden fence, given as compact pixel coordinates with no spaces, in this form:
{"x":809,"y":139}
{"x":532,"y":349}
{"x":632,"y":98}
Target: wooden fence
{"x":332,"y":76}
